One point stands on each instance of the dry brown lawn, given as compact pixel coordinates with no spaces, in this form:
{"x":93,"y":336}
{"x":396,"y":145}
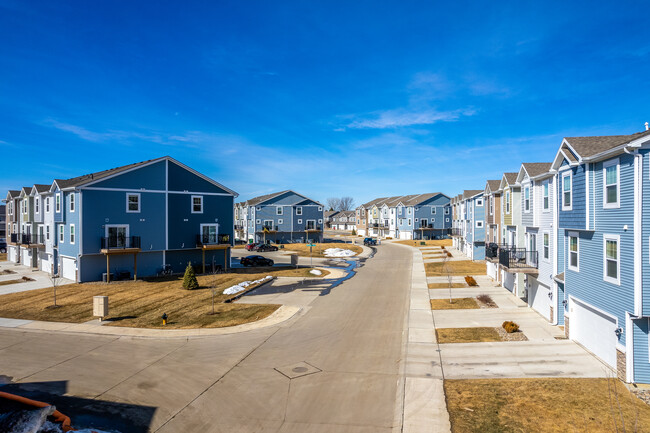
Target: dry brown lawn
{"x":317,"y":251}
{"x":3,"y":257}
{"x":7,"y":282}
{"x":460,"y":267}
{"x":446,"y":285}
{"x":141,"y":303}
{"x":439,"y":243}
{"x":544,"y":405}
{"x":455,"y":304}
{"x":467,"y":335}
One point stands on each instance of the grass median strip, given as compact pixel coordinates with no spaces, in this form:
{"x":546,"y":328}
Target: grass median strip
{"x":459,"y":267}
{"x":454,"y":304}
{"x":467,"y":335}
{"x":446,"y":285}
{"x":141,"y":303}
{"x":544,"y":405}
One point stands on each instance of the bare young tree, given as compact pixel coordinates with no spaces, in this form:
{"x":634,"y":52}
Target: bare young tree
{"x":333,"y":203}
{"x":54,"y":278}
{"x":346,"y":203}
{"x":446,"y":269}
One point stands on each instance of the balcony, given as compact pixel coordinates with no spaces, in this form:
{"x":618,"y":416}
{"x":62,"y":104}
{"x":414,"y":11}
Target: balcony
{"x":314,"y":229}
{"x":518,"y":260}
{"x":492,"y":251}
{"x":120,"y":244}
{"x":33,"y":239}
{"x":456,"y":231}
{"x":425,"y":226}
{"x":204,"y":240}
{"x":378,"y":226}
{"x":239,"y":227}
{"x":269,"y":229}
{"x":16,"y":238}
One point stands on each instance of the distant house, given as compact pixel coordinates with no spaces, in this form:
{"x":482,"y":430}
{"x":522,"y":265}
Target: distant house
{"x":417,"y":216}
{"x":281,"y":217}
{"x":344,"y":221}
{"x":470,"y":236}
{"x":327,"y":218}
{"x":133,"y":220}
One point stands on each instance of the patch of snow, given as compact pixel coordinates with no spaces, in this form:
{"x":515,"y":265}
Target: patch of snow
{"x":315,"y":272}
{"x":338,"y":252}
{"x":233,"y":290}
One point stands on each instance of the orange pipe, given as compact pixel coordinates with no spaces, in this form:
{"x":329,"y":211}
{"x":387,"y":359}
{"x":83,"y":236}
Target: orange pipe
{"x":58,"y":416}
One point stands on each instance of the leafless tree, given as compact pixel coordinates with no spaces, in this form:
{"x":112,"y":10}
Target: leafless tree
{"x":346,"y":203}
{"x":333,"y":203}
{"x":446,"y":269}
{"x":54,"y":278}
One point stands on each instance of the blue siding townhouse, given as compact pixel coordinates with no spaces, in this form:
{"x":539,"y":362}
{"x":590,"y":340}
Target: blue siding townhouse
{"x":281,"y":217}
{"x":603,"y":186}
{"x":470,"y":236}
{"x":134,"y":219}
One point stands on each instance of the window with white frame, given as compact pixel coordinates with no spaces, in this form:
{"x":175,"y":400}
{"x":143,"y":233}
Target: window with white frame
{"x":611,"y":259}
{"x":278,"y":210}
{"x":72,"y":202}
{"x":446,"y":211}
{"x":479,"y":202}
{"x":566,"y":191}
{"x":433,"y":210}
{"x":527,"y":199}
{"x":491,"y":199}
{"x":320,"y":208}
{"x":320,"y":221}
{"x":299,"y":210}
{"x":545,"y":196}
{"x":611,"y":183}
{"x":57,"y":206}
{"x":300,"y":221}
{"x":507,"y":202}
{"x":61,"y":234}
{"x":409,"y":222}
{"x":408,"y":211}
{"x":259,"y":207}
{"x":280,"y":221}
{"x":447,"y":219}
{"x":258,"y":221}
{"x":132,"y":202}
{"x":311,"y":225}
{"x":197,"y":204}
{"x":47,"y":204}
{"x":47,"y":232}
{"x":546,"y":246}
{"x":72,"y":234}
{"x":37,"y":203}
{"x":479,"y":224}
{"x":574,"y":252}
{"x":268,"y":224}
{"x":209,"y":234}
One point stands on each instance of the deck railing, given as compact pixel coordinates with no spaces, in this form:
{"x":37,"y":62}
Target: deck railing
{"x":120,"y":242}
{"x":518,"y":258}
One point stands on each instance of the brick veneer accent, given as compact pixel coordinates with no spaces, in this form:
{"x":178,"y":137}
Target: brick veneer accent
{"x":620,"y":365}
{"x":566,"y":326}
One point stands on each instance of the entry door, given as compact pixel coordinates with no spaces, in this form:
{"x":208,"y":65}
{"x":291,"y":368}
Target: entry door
{"x":209,"y":233}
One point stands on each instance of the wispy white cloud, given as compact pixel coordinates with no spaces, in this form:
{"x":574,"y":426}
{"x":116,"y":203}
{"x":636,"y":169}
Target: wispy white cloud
{"x":408,"y":117}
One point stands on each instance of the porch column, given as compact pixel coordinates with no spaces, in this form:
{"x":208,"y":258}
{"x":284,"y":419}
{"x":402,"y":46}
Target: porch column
{"x":135,"y":266}
{"x":108,"y":268}
{"x":203,"y":255}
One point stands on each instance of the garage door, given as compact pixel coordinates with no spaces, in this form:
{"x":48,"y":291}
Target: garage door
{"x":25,"y":257}
{"x":46,"y":264}
{"x":509,"y":281}
{"x":538,"y":298}
{"x":594,"y":330}
{"x":492,"y":270}
{"x":12,"y":254}
{"x":69,"y":268}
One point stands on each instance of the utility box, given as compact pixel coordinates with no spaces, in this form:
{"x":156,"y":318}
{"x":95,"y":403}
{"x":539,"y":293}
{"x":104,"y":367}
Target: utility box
{"x":294,"y":259}
{"x":100,"y":306}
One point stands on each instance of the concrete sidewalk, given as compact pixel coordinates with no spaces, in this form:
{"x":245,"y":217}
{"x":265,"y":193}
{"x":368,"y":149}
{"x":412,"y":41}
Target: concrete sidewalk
{"x":425,"y":407}
{"x":41,"y":279}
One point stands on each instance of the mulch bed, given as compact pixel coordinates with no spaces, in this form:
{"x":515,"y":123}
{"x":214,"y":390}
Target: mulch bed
{"x":515,"y":336}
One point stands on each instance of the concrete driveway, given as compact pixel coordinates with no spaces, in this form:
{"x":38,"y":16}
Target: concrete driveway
{"x":40,"y":279}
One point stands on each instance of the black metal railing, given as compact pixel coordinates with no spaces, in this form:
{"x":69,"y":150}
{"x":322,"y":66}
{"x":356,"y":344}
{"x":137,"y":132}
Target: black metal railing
{"x":31,"y":238}
{"x":16,"y":238}
{"x":239,"y":227}
{"x":120,"y":242}
{"x":378,"y":226}
{"x":518,"y":258}
{"x":456,"y":231}
{"x":269,"y":228}
{"x":425,"y":226}
{"x":313,"y":229}
{"x":212,"y":239}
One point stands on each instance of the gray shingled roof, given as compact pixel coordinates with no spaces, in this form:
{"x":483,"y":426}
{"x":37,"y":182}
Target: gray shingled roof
{"x":13,"y":193}
{"x":471,"y":193}
{"x":86,"y":178}
{"x":494,"y":184}
{"x":590,"y":146}
{"x":254,"y":201}
{"x":407,"y":200}
{"x":41,"y":188}
{"x":535,"y":169}
{"x":511,"y":178}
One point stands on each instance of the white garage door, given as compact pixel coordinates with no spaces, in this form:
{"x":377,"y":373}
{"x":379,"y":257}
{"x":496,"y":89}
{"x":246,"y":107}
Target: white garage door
{"x":69,"y":268}
{"x":538,"y":298}
{"x":594,"y":330}
{"x":509,"y":281}
{"x":12,"y":254}
{"x":25,"y":257}
{"x":491,"y":270}
{"x":46,"y":264}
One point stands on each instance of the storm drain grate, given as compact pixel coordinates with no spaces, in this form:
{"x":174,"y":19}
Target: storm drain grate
{"x":297,"y":370}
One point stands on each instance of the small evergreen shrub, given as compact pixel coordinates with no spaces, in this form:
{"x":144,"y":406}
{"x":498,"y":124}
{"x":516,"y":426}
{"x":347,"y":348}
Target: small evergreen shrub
{"x":189,"y":279}
{"x":510,"y":327}
{"x":354,"y":232}
{"x":471,"y":281}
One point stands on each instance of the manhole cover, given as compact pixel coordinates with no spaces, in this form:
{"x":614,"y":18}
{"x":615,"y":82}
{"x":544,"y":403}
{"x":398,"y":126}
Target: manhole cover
{"x":297,"y":370}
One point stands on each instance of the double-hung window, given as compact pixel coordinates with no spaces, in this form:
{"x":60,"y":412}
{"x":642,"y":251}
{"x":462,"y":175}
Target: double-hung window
{"x":527,"y":199}
{"x":611,"y":259}
{"x":37,"y":202}
{"x":72,"y":202}
{"x":545,"y":196}
{"x":197,"y":204}
{"x":566,"y":191}
{"x":299,"y":210}
{"x":57,"y":206}
{"x":72,"y":234}
{"x":507,"y":202}
{"x":611,"y":183}
{"x":132,"y":202}
{"x":61,"y":234}
{"x":546,"y":246}
{"x":433,"y":210}
{"x":47,"y":232}
{"x":278,"y":210}
{"x":574,"y":253}
{"x":47,"y":204}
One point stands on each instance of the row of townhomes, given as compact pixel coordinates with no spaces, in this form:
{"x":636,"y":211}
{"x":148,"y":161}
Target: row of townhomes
{"x":131,"y":220}
{"x":418,"y":216}
{"x":572,"y":238}
{"x":281,"y":217}
{"x":344,"y":220}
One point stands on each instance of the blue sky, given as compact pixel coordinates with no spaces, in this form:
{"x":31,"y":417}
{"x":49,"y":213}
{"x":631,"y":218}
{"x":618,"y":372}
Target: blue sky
{"x":364,"y":98}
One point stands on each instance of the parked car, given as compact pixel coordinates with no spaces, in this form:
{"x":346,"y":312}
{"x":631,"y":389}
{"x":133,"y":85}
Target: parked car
{"x":370,"y":242}
{"x":255,"y":261}
{"x":3,"y":246}
{"x":265,"y":247}
{"x":251,"y":247}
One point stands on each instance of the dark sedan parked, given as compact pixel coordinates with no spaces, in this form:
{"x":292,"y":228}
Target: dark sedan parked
{"x":256,"y":261}
{"x":265,"y":247}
